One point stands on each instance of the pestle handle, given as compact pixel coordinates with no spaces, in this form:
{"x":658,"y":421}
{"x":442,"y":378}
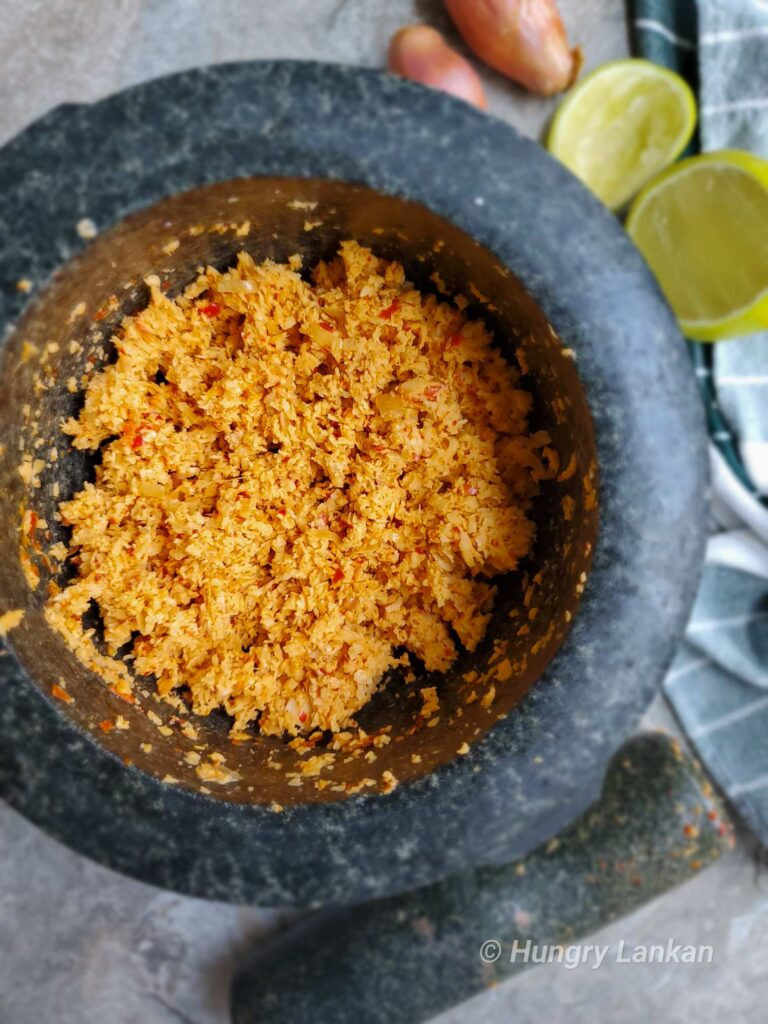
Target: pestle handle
{"x":406,"y":958}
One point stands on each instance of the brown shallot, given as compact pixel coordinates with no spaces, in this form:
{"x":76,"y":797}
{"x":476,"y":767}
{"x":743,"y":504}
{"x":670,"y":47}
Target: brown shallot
{"x":523,"y":39}
{"x":420,"y":53}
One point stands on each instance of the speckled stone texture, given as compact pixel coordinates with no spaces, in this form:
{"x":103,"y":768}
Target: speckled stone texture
{"x":532,"y":773}
{"x":402,"y":960}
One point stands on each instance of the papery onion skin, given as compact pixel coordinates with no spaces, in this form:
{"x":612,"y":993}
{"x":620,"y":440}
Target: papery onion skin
{"x":523,"y":39}
{"x":420,"y":53}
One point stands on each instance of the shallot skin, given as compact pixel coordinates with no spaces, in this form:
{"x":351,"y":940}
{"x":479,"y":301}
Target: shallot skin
{"x":523,"y":39}
{"x":420,"y":53}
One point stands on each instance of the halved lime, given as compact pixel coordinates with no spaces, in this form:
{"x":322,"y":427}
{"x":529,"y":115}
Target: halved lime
{"x":621,"y":125}
{"x":702,"y":226}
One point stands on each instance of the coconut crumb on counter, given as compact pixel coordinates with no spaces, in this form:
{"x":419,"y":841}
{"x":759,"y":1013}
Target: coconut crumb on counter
{"x":431,"y":702}
{"x":188,"y":730}
{"x":299,"y":477}
{"x":215,"y":770}
{"x":489,"y":697}
{"x":29,"y":569}
{"x":314,"y":765}
{"x":10,"y":620}
{"x":30,"y":469}
{"x":29,"y":351}
{"x":86,"y":228}
{"x":504,"y":670}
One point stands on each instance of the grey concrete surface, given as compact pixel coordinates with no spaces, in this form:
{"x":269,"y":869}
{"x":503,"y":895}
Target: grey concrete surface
{"x":81,"y":945}
{"x":54,"y":51}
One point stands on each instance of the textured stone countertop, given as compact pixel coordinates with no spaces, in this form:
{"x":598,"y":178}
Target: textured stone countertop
{"x":81,"y":945}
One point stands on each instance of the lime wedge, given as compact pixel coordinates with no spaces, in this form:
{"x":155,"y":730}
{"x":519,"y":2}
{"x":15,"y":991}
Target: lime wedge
{"x":621,"y":125}
{"x":702,"y":226}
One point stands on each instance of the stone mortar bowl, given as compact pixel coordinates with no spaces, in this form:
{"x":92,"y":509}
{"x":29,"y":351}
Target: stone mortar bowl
{"x":310,"y":154}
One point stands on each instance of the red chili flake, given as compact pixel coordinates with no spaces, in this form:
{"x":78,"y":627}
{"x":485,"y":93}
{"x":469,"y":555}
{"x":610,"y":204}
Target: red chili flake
{"x":137,"y":442}
{"x":303,"y":716}
{"x":128,"y":697}
{"x":61,"y":694}
{"x":431,"y":391}
{"x":106,"y":726}
{"x":338,"y":576}
{"x":212,"y":309}
{"x":32,"y":523}
{"x":454,"y":340}
{"x":385,"y":314}
{"x":326,"y":326}
{"x":712,"y":815}
{"x":690,"y":831}
{"x":281,"y":511}
{"x":470,"y":489}
{"x":165,"y":286}
{"x":243,"y":494}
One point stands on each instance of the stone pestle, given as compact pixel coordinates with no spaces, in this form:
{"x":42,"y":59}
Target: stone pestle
{"x":404,"y":959}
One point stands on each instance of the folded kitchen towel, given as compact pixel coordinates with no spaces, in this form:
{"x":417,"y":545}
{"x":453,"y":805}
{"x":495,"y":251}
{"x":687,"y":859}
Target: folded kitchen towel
{"x":718,"y":683}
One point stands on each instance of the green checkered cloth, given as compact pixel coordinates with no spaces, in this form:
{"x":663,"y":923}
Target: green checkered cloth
{"x":718,"y":683}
